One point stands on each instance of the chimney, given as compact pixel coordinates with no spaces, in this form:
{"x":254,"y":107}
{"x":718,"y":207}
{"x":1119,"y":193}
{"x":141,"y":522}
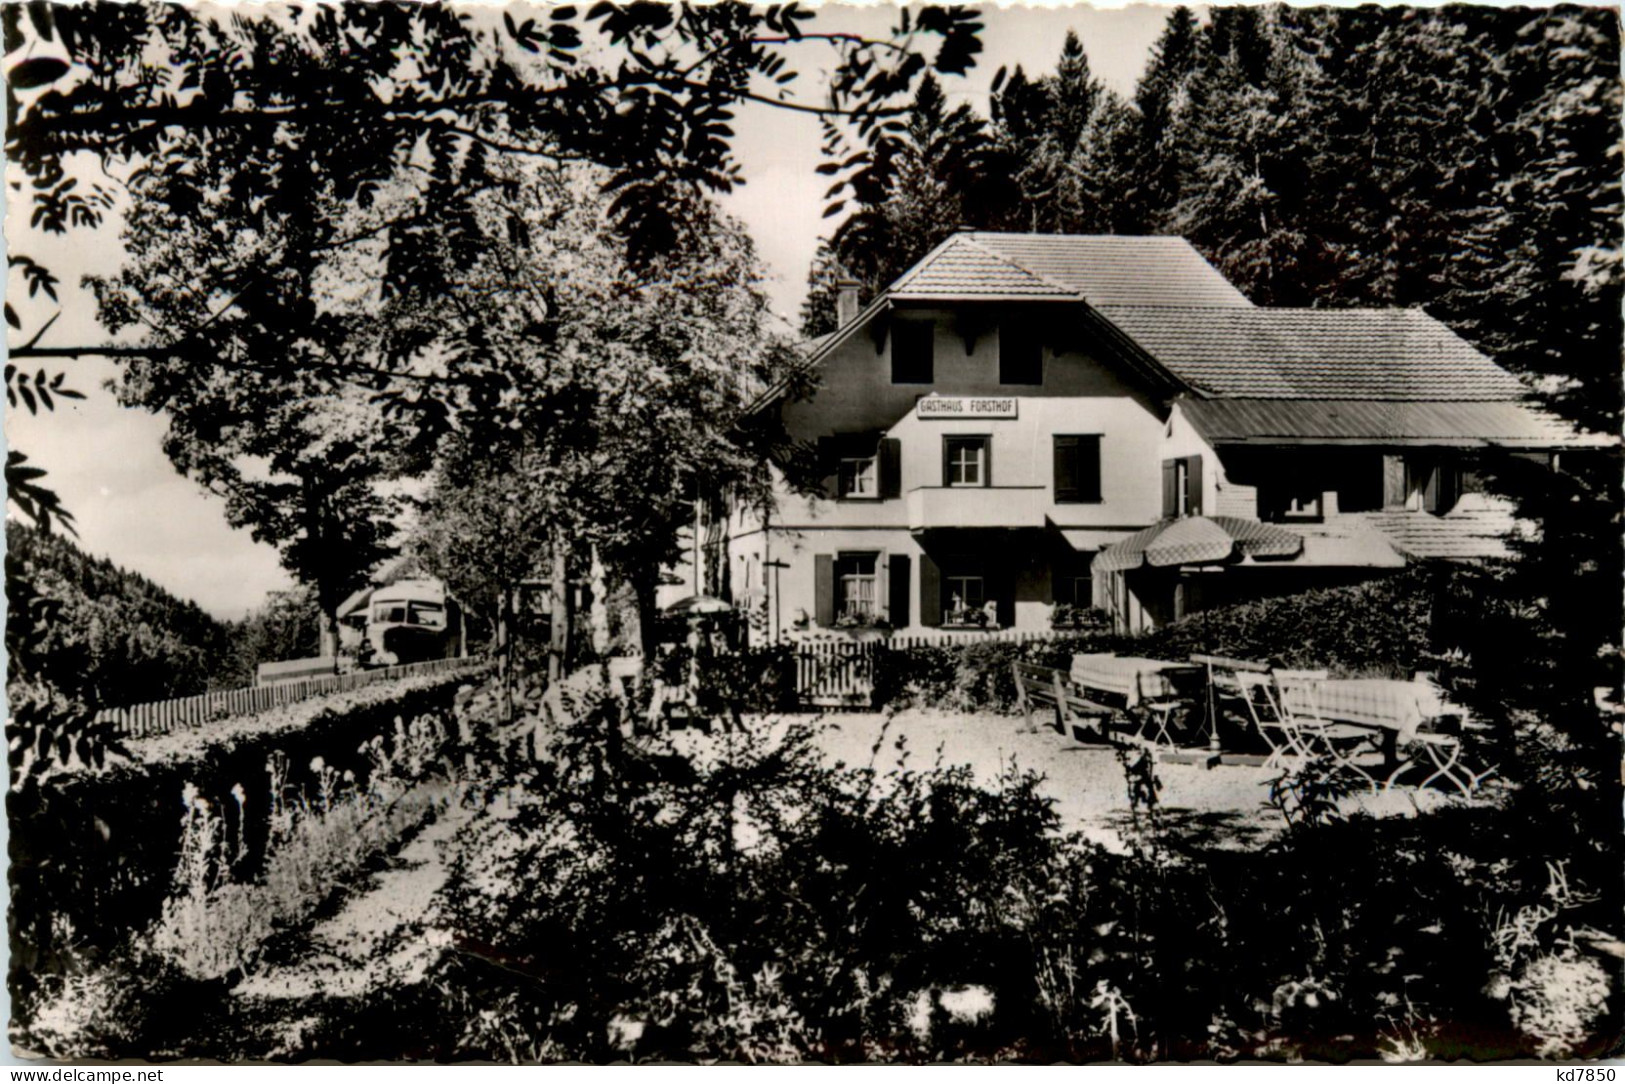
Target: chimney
{"x":846,"y":301}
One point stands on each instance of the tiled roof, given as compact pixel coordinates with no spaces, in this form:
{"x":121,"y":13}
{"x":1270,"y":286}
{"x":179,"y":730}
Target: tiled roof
{"x":1266,"y":353}
{"x":1118,"y":270}
{"x":1478,"y":527}
{"x":1366,"y":421}
{"x":1101,"y":270}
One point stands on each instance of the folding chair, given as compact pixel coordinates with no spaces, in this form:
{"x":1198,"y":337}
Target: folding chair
{"x":1162,"y":718}
{"x":1444,"y":753}
{"x":1311,"y":732}
{"x":1257,"y":692}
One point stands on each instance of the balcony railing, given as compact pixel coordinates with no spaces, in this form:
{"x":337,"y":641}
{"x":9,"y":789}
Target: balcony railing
{"x":977,"y":506}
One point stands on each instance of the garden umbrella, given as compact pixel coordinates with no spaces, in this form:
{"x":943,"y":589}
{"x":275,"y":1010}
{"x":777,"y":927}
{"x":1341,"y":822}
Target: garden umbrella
{"x":1198,"y":540}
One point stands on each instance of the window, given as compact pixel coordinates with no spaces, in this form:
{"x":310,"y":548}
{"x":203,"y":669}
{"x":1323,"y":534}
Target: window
{"x":1182,"y":487}
{"x":1420,"y":483}
{"x":963,"y":599}
{"x":855,"y":585}
{"x":1077,"y":469}
{"x":859,"y":477}
{"x":964,"y":461}
{"x":431,"y":614}
{"x":1290,"y":500}
{"x":911,"y":351}
{"x":1021,"y":355}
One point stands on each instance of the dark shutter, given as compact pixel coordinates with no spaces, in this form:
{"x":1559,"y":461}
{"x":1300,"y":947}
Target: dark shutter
{"x":829,"y":466}
{"x":824,"y":589}
{"x":1088,"y":468}
{"x":1193,"y":485}
{"x":930,"y":592}
{"x":891,"y":468}
{"x":1066,"y":469}
{"x":1170,"y":488}
{"x":897,"y":588}
{"x":1021,"y":355}
{"x":911,"y":352}
{"x":1001,"y":580}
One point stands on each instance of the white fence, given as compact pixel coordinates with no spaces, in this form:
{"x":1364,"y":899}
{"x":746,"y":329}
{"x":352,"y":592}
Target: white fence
{"x":163,"y":716}
{"x":838,"y":671}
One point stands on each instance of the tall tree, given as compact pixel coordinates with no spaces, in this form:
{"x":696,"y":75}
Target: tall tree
{"x":339,"y":100}
{"x":605,"y":390}
{"x":925,"y":178}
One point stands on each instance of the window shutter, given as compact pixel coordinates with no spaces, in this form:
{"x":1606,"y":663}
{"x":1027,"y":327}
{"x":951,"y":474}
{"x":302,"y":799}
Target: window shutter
{"x":824,"y":589}
{"x":1088,"y":468}
{"x":1001,"y":582}
{"x":1170,"y":485}
{"x":1193,"y":485}
{"x":930,"y":592}
{"x":1066,"y":469}
{"x":1393,"y":481}
{"x":911,"y":352}
{"x":897,"y":591}
{"x":829,"y":466}
{"x":891,"y":468}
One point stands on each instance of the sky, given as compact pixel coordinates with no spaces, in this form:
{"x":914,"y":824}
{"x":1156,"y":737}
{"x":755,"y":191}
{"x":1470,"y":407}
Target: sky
{"x":107,"y":462}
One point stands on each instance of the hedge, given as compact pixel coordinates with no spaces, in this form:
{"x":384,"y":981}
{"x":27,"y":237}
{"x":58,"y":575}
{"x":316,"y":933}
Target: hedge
{"x":92,"y":853}
{"x":1382,"y":628}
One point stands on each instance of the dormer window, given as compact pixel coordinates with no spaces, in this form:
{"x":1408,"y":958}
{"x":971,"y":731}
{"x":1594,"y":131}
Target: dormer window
{"x":912,"y":360}
{"x":1021,"y":355}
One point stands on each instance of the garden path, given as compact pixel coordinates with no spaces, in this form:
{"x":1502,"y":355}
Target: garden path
{"x":379,"y":936}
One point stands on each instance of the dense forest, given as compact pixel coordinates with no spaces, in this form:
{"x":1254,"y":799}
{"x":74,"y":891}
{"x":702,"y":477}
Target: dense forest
{"x":126,"y":640}
{"x":1460,"y":159}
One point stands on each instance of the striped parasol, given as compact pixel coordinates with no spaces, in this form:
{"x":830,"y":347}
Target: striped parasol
{"x":1199,"y":540}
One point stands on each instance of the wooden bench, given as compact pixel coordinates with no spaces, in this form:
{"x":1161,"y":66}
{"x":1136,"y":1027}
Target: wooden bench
{"x":1071,"y":713}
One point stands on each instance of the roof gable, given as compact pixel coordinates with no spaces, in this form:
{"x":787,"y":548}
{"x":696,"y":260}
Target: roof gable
{"x":1349,"y":354}
{"x":960,"y":268}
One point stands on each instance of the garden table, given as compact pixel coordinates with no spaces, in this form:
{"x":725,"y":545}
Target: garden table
{"x":1128,"y":676}
{"x":1398,"y":706}
{"x":1399,"y":710}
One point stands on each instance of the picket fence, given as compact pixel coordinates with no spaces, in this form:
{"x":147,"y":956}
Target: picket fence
{"x":841,"y":673}
{"x":164,"y":716}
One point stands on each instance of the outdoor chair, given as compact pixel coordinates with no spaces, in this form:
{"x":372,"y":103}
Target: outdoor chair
{"x":1257,"y":693}
{"x":1167,"y":718}
{"x":1444,"y":753}
{"x":1311,"y":732}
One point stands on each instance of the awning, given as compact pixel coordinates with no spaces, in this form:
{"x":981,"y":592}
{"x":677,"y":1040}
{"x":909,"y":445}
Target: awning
{"x":1092,"y":539}
{"x":699,"y":604}
{"x":1195,"y":540}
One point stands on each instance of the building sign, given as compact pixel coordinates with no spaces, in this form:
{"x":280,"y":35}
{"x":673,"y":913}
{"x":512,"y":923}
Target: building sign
{"x":939,"y":406}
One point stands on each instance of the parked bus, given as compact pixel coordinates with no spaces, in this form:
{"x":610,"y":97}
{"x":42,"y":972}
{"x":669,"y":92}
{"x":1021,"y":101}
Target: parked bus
{"x":404,"y":622}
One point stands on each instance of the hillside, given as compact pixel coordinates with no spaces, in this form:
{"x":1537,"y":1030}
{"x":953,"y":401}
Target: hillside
{"x":131,"y":640}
